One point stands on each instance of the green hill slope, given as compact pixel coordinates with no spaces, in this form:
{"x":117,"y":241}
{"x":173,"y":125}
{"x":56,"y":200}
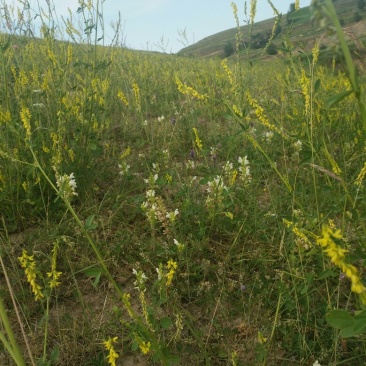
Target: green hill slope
{"x":301,"y":33}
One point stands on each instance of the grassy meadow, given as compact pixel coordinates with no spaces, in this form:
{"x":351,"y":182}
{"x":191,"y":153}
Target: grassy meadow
{"x":164,"y":210}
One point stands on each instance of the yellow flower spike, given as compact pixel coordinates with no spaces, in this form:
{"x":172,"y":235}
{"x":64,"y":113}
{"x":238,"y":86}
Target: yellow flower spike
{"x":197,"y":140}
{"x":112,"y":354}
{"x":122,"y":98}
{"x":189,"y":91}
{"x":126,"y":153}
{"x":335,"y":167}
{"x":136,"y":93}
{"x":305,"y":87}
{"x":361,"y":176}
{"x":297,"y":232}
{"x":253,"y":10}
{"x":171,"y":266}
{"x":237,"y":111}
{"x":145,"y":347}
{"x":337,"y":257}
{"x":69,"y":54}
{"x":315,"y":53}
{"x":260,"y":113}
{"x":25,"y":117}
{"x":53,"y":274}
{"x":127,"y":303}
{"x":28,"y":263}
{"x":233,"y":177}
{"x":228,"y":72}
{"x":261,"y":338}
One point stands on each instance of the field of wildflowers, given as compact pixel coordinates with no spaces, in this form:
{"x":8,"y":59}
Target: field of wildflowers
{"x":157,"y":209}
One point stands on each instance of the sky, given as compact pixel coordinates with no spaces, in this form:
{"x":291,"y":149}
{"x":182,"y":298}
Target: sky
{"x":155,"y":25}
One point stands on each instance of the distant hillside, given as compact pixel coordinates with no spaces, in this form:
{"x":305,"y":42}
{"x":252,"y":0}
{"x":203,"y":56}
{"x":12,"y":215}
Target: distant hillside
{"x":302,"y":34}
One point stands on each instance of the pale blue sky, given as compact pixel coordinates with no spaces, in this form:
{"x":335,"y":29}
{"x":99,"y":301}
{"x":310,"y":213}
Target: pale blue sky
{"x":145,"y":22}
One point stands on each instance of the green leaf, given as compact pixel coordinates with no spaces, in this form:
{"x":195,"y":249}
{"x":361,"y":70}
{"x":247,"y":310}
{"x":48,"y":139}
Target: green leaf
{"x":340,"y":319}
{"x":96,"y":273}
{"x":317,"y":85}
{"x":89,"y":224}
{"x":304,"y":290}
{"x":166,"y":323}
{"x":334,"y":99}
{"x":347,"y":332}
{"x":326,"y":274}
{"x":360,"y":322}
{"x":205,"y":180}
{"x":229,"y":215}
{"x":93,"y":146}
{"x":55,"y":354}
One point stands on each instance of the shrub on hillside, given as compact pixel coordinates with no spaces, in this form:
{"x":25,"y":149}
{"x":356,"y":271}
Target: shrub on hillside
{"x":228,"y":49}
{"x":271,"y":49}
{"x":357,"y":16}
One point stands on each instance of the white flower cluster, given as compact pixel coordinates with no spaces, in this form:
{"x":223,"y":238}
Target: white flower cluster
{"x":268,"y":136}
{"x":297,"y":147}
{"x":244,"y":169}
{"x":172,"y":215}
{"x":124,"y":168}
{"x":190,"y":164}
{"x":140,"y":279}
{"x":152,"y":180}
{"x":66,"y":185}
{"x":215,"y":194}
{"x":228,"y":169}
{"x":150,"y":207}
{"x":216,"y":186}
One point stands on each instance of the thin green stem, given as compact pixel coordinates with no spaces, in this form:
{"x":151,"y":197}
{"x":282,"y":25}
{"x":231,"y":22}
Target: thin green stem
{"x":15,"y":307}
{"x":46,"y":327}
{"x":353,"y":76}
{"x":13,"y":347}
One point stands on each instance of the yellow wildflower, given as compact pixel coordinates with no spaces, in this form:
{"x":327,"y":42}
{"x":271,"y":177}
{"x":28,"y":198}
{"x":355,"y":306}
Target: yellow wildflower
{"x":259,"y":112}
{"x":69,"y":55}
{"x":261,"y":338}
{"x":145,"y":347}
{"x":28,"y":263}
{"x":171,"y":266}
{"x":136,"y":93}
{"x":187,"y":90}
{"x":123,"y":98}
{"x":197,"y":140}
{"x":112,"y":354}
{"x":337,"y":256}
{"x":125,"y":153}
{"x":127,"y":304}
{"x":253,"y":10}
{"x":305,"y":87}
{"x":361,"y":176}
{"x":54,"y":275}
{"x":25,"y":116}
